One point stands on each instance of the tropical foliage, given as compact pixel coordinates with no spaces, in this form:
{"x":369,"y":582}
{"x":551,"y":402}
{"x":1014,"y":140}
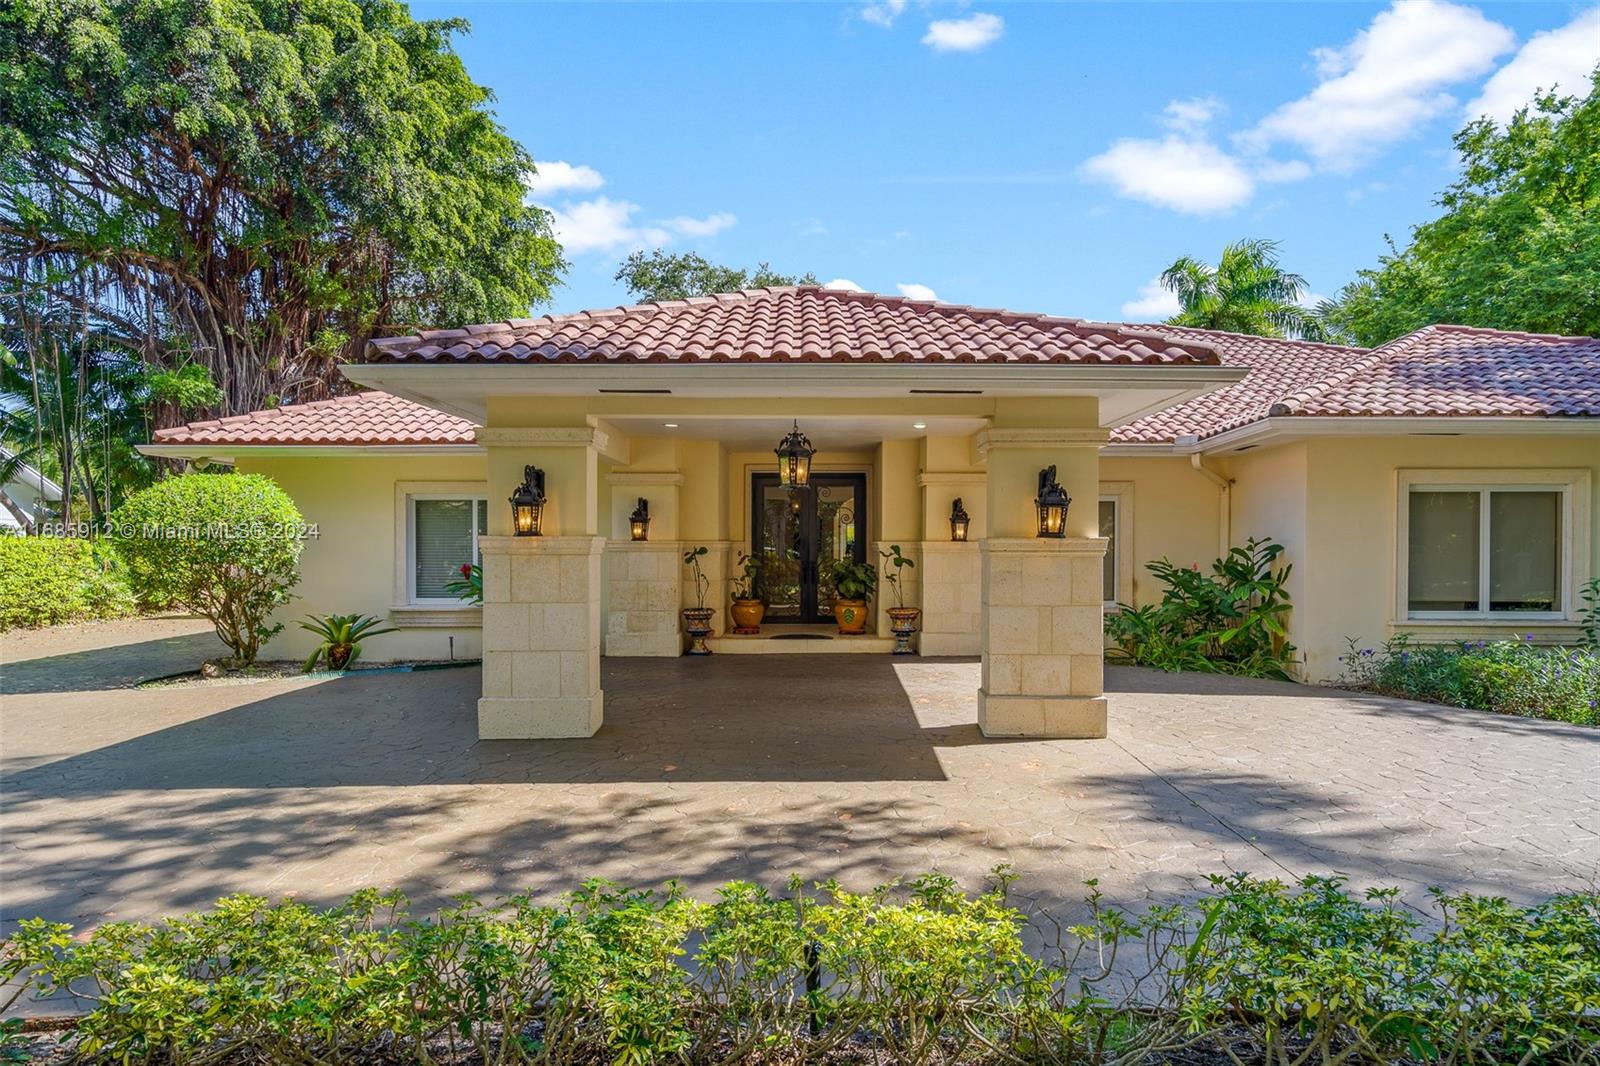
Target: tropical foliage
{"x":341,"y":635}
{"x":1507,"y":676}
{"x":48,"y":580}
{"x":1252,"y":972}
{"x":255,"y":187}
{"x":853,"y":580}
{"x":1233,"y":620}
{"x":894,"y":568}
{"x":469,"y":586}
{"x":662,"y":275}
{"x":1247,"y":291}
{"x":1515,"y":245}
{"x":225,"y":546}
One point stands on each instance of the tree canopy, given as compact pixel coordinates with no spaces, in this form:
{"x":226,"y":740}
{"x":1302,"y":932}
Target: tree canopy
{"x":256,"y":187}
{"x":1246,"y":292}
{"x":661,"y":275}
{"x":1518,"y":244}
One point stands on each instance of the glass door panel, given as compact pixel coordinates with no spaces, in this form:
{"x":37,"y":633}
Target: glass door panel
{"x":799,"y":536}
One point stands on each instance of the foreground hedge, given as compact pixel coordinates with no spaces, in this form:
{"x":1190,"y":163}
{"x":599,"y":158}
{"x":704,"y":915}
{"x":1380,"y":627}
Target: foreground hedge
{"x":1254,"y":971}
{"x":1506,"y":676}
{"x":48,"y":580}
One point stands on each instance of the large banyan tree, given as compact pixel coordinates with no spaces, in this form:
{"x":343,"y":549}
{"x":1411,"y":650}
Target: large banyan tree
{"x":256,"y":186}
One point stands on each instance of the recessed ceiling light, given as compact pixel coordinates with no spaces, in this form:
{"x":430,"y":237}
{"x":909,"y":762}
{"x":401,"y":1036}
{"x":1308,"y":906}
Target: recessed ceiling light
{"x":919,"y":425}
{"x":670,"y":425}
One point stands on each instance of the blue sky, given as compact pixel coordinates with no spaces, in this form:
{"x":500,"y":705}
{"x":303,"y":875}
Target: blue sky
{"x":1043,"y":157}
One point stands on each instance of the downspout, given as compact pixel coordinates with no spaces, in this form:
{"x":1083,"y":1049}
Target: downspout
{"x":1224,"y":486}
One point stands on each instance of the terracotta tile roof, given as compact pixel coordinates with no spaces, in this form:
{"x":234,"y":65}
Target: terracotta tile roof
{"x":795,"y":324}
{"x":1460,"y":371}
{"x":365,"y":418}
{"x":1277,"y":368}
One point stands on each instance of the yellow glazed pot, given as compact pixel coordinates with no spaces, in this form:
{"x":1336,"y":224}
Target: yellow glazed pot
{"x":747,"y":615}
{"x":851,"y":615}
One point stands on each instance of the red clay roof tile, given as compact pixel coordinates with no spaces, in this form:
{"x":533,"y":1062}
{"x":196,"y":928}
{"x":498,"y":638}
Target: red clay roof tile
{"x":366,"y":418}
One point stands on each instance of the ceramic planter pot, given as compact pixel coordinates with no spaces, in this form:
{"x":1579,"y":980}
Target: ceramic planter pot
{"x":903,"y":623}
{"x":747,"y":615}
{"x":851,"y":616}
{"x":697,"y":623}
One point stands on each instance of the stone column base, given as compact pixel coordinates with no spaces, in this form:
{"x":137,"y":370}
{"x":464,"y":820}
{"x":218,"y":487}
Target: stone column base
{"x":1064,"y":717}
{"x":539,"y":719}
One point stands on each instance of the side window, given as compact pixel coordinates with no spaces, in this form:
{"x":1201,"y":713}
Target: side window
{"x":444,"y":537}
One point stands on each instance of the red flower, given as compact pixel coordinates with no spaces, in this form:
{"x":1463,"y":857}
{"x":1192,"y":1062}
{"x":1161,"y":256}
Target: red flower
{"x":466,"y":569}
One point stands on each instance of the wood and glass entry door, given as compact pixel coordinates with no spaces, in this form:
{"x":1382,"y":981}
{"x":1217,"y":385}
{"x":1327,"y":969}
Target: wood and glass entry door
{"x":799,"y":536}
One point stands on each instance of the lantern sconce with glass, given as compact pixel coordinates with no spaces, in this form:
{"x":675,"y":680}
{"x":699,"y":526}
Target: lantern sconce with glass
{"x":527,"y":504}
{"x":639,"y":521}
{"x":1052,"y":503}
{"x":794,"y":454}
{"x":959,"y":521}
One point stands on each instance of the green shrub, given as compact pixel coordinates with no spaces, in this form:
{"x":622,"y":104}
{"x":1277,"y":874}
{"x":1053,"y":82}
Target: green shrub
{"x":1254,"y":971}
{"x":48,"y":580}
{"x":1506,"y":676}
{"x":225,"y":546}
{"x":1231,"y":620}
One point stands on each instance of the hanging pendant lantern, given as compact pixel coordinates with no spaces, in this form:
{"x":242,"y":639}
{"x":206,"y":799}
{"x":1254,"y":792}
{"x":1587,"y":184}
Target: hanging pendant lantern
{"x":639,"y":520}
{"x":794,"y":454}
{"x":1052,"y":503}
{"x":527,"y":504}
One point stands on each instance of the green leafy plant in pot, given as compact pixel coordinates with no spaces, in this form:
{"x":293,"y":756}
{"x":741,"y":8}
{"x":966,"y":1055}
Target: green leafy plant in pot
{"x":697,"y":619}
{"x":748,"y":610}
{"x":854,"y":584}
{"x":902,"y":619}
{"x":341,"y":635}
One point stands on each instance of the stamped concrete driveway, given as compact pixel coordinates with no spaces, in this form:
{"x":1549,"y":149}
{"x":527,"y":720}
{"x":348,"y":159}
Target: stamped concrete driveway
{"x":126,"y":803}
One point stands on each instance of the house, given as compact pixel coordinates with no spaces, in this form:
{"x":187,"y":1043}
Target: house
{"x":1440,"y":485}
{"x":27,"y":497}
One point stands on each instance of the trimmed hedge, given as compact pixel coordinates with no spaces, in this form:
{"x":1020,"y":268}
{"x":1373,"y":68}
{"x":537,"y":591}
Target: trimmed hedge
{"x":48,"y":580}
{"x":1254,"y":971}
{"x":1505,"y":676}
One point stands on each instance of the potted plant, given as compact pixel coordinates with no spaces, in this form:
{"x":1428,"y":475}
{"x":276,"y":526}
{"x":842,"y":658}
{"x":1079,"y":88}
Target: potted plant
{"x":748,"y":610}
{"x":854,"y":583}
{"x":341,"y":638}
{"x":697,"y":619}
{"x":902,"y":619}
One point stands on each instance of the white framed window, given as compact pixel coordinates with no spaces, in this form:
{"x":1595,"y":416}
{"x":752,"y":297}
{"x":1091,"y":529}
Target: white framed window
{"x":1490,"y":545}
{"x":1116,"y":526}
{"x":442,"y":531}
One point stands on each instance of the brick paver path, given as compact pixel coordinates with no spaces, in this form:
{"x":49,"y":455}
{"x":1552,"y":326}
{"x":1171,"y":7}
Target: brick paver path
{"x":126,"y":803}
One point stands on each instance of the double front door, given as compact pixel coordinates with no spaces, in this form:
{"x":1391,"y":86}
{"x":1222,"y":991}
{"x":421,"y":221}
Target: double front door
{"x":799,"y":535}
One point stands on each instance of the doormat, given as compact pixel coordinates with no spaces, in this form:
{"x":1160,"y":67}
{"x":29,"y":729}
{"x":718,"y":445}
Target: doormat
{"x":802,"y":636}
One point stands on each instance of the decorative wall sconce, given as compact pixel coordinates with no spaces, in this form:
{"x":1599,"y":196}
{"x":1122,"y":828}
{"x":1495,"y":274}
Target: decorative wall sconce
{"x":639,"y":520}
{"x":527,"y":503}
{"x":958,"y":521}
{"x":1052,"y":503}
{"x":794,"y":459}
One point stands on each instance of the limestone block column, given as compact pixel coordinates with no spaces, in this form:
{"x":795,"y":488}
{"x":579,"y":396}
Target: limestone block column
{"x":1041,"y":625}
{"x":541,"y":637}
{"x":643,"y":579}
{"x":952,"y":598}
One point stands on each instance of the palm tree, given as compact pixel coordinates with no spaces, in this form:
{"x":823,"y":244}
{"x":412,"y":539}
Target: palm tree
{"x":1246,"y":292}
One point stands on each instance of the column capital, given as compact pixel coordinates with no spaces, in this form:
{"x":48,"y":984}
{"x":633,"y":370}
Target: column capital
{"x":1002,"y":437}
{"x":541,"y":545}
{"x":600,"y":437}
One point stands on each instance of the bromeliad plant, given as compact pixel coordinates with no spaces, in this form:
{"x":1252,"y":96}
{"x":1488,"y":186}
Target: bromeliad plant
{"x":341,"y":635}
{"x":469,"y":586}
{"x":1232,"y":620}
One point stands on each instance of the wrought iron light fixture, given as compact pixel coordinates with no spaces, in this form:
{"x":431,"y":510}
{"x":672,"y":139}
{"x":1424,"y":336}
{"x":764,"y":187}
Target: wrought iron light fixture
{"x":1052,"y":503}
{"x":958,"y":521}
{"x":527,"y":503}
{"x":639,"y":520}
{"x":794,"y":454}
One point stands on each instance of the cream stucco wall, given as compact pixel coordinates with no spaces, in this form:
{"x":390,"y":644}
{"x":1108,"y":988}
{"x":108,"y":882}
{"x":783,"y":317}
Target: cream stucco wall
{"x":1174,"y":515}
{"x":351,"y":565}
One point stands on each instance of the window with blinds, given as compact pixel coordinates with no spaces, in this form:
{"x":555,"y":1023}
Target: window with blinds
{"x":444,"y":537}
{"x":1108,"y":530}
{"x":1484,"y":551}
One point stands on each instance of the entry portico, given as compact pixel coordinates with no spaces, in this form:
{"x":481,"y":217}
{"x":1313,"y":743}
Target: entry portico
{"x":910,"y":405}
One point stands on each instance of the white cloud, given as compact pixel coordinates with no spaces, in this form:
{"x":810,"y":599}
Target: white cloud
{"x":1275,"y":171}
{"x":1153,"y":304}
{"x":1310,"y":300}
{"x":978,"y":30}
{"x":1193,"y":115}
{"x":843,"y":285}
{"x":1389,"y":79}
{"x":1561,"y":58}
{"x":557,"y":176}
{"x":1194,"y":176}
{"x":603,"y":225}
{"x":883,"y":13}
{"x":913,"y":291}
{"x":700,"y":227}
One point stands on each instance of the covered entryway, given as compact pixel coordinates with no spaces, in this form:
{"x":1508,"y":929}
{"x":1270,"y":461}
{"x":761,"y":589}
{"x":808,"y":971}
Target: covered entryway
{"x":798,"y":535}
